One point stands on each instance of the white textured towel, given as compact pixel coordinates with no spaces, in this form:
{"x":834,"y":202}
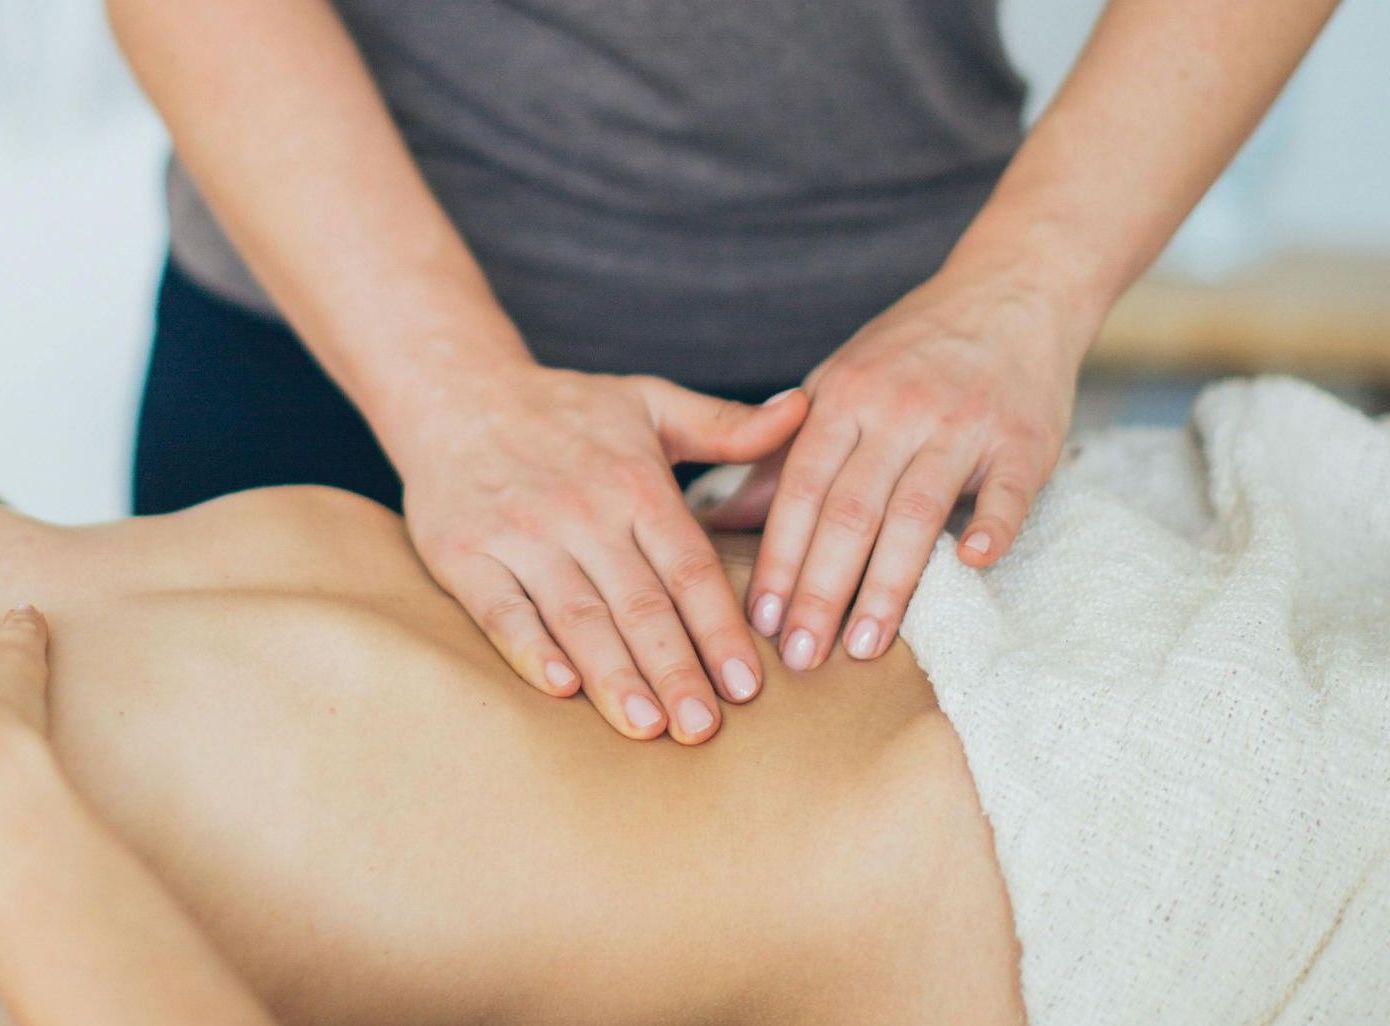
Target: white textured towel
{"x":1174,"y":694}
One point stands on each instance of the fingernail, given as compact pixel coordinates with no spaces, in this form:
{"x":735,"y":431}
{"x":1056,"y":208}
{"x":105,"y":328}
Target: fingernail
{"x":979,"y":542}
{"x":779,"y":396}
{"x":641,"y":711}
{"x":738,"y":679}
{"x":559,"y":675}
{"x":694,"y":715}
{"x":863,"y":640}
{"x":767,"y":615}
{"x":799,"y":650}
{"x":24,"y":607}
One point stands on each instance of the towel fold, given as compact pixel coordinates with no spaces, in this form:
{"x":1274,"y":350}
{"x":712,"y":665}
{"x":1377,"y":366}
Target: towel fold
{"x":1174,"y":694}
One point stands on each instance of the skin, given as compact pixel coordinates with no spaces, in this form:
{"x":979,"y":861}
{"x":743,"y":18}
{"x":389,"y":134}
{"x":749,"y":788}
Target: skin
{"x":540,"y":499}
{"x":82,"y":921}
{"x":966,"y":385}
{"x":272,"y":705}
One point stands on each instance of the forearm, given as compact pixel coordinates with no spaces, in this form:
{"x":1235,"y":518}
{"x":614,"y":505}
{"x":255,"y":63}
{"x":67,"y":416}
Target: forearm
{"x":1159,"y":101}
{"x":275,"y":114}
{"x":86,"y":933}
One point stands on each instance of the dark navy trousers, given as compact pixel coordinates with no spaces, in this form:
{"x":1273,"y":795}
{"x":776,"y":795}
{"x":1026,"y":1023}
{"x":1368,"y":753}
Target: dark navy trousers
{"x":233,"y":400}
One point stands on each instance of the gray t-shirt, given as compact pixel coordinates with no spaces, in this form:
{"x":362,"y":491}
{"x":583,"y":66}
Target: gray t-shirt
{"x":718,"y":191}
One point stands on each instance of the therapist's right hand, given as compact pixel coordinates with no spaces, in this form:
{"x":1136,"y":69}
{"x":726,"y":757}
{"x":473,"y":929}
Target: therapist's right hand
{"x":543,"y":500}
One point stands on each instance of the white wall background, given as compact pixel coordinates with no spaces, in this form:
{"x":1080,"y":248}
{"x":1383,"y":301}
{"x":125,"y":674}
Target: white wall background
{"x":1329,"y":149}
{"x":81,"y":226}
{"x":80,"y":234}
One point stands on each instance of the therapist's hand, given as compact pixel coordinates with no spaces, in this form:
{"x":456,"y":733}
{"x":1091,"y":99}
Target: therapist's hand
{"x":965,"y":385}
{"x":543,"y":500}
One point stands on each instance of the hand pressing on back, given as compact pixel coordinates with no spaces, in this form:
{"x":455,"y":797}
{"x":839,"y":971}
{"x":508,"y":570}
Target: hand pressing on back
{"x":963,"y":387}
{"x":543,"y":500}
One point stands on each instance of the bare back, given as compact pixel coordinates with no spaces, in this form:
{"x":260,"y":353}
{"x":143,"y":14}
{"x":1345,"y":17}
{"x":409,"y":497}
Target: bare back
{"x":377,"y":821}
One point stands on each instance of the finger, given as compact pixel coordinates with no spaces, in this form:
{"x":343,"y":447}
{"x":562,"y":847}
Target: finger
{"x":688,"y":568}
{"x":916,"y":513}
{"x":1010,"y":485}
{"x":704,"y":429}
{"x":812,"y":464}
{"x":653,"y":632}
{"x":746,"y":509}
{"x":501,"y":608}
{"x":849,"y":522}
{"x":579,"y":619}
{"x":24,"y":665}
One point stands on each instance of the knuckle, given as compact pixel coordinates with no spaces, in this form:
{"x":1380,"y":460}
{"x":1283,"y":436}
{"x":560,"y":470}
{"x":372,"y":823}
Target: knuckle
{"x":1006,"y":526}
{"x":1031,"y":436}
{"x":522,"y":520}
{"x":725,"y":413}
{"x":617,"y":682}
{"x":910,"y":403}
{"x":851,"y":513}
{"x":455,"y":544}
{"x":680,"y":676}
{"x":800,"y":486}
{"x":889,"y":594}
{"x":503,"y":612}
{"x":21,"y":629}
{"x":1011,"y":487}
{"x":731,"y":634}
{"x":581,"y":611}
{"x":645,"y":604}
{"x":645,"y":473}
{"x":843,"y":383}
{"x":692,"y":569}
{"x":568,"y":504}
{"x":811,"y":603}
{"x":918,"y":506}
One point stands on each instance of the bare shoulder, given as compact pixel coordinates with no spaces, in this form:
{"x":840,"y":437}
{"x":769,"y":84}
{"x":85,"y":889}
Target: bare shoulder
{"x":288,"y":515}
{"x":302,"y":537}
{"x":30,"y":554}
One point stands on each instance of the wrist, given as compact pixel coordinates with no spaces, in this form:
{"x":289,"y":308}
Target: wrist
{"x":434,"y":324}
{"x":1044,"y":243}
{"x":1032,"y":269}
{"x":429,"y":403}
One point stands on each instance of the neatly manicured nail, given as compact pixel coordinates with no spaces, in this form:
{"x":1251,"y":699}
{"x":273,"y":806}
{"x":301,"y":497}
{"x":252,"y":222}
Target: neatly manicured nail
{"x":767,"y":615}
{"x":559,"y":675}
{"x":641,"y":711}
{"x":979,"y":542}
{"x":24,"y":607}
{"x":738,"y":679}
{"x":799,"y":650}
{"x":778,"y":397}
{"x":694,"y":715}
{"x":863,"y":640}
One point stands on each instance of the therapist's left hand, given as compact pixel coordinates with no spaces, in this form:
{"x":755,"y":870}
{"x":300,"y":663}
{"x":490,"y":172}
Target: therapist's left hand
{"x":964,"y":386}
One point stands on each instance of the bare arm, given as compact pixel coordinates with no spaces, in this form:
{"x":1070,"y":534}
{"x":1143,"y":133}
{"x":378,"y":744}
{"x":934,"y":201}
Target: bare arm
{"x":276,"y":116}
{"x":541,"y":499}
{"x":966,"y":384}
{"x":1162,"y":96}
{"x":87,"y":935}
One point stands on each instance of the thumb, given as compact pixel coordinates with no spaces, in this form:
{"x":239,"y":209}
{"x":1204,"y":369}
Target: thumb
{"x":24,"y":667}
{"x":699,"y":428}
{"x":746,"y":509}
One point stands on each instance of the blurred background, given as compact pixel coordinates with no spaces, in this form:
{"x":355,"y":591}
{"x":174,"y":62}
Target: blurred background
{"x":1285,"y":266}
